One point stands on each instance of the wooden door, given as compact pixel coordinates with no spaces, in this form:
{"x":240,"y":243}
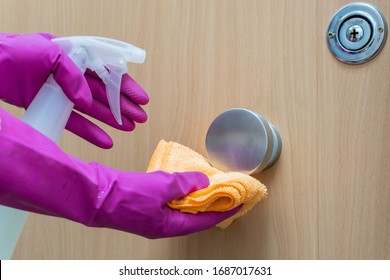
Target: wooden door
{"x":329,"y":193}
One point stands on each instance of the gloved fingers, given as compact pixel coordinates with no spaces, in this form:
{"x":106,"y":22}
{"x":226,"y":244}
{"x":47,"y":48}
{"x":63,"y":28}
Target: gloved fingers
{"x":89,"y":131}
{"x":129,"y":88}
{"x":185,"y":183}
{"x":186,"y":223}
{"x":132,"y":111}
{"x":69,"y":77}
{"x":73,"y":84}
{"x":102,"y":112}
{"x":133,"y":90}
{"x":129,"y":100}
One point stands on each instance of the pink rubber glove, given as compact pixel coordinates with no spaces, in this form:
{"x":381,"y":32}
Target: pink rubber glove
{"x":35,"y":175}
{"x":27,"y":60}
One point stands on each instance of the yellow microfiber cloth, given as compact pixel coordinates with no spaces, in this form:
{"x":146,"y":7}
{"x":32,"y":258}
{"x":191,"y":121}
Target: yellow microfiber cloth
{"x":226,"y":191}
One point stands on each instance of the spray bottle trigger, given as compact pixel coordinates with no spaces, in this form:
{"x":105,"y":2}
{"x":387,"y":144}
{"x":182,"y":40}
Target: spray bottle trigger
{"x":113,"y":83}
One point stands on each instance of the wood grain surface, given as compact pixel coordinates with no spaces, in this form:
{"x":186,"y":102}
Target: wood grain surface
{"x":329,"y":193}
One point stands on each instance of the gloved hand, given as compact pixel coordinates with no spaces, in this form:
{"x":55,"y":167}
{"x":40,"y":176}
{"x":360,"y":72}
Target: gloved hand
{"x":27,"y":60}
{"x":35,"y":175}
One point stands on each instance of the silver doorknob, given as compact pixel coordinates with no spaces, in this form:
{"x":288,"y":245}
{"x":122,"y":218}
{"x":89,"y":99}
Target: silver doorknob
{"x":242,"y":140}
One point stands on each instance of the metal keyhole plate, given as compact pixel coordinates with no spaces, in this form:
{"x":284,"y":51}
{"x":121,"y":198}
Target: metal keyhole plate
{"x":357,"y":33}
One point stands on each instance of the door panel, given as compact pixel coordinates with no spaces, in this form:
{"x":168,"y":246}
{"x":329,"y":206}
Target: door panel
{"x":329,"y":191}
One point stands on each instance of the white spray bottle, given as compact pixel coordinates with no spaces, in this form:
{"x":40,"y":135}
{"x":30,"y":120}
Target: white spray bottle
{"x":50,"y":109}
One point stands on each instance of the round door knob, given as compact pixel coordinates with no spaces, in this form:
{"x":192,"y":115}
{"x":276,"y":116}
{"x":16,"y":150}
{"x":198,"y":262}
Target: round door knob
{"x":242,"y":140}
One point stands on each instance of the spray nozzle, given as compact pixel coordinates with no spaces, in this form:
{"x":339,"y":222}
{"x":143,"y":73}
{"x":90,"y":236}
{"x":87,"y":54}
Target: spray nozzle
{"x":108,"y":58}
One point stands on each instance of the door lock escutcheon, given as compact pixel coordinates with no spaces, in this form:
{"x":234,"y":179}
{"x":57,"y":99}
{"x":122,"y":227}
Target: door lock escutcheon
{"x":357,"y":33}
